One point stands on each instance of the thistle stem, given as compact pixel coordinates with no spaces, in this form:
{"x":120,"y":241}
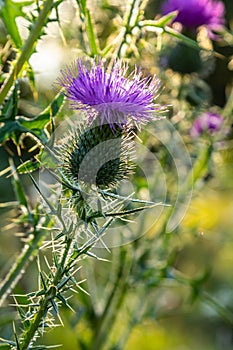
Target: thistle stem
{"x":62,"y":265}
{"x":134,"y":8}
{"x":50,"y":294}
{"x":30,"y":333}
{"x":199,"y":166}
{"x":27,"y":49}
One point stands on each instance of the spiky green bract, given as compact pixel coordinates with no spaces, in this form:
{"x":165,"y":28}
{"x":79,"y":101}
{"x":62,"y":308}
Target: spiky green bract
{"x":97,"y":156}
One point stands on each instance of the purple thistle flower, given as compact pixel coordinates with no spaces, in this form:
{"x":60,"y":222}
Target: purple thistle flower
{"x":207,"y":122}
{"x":195,"y":13}
{"x":113,"y":97}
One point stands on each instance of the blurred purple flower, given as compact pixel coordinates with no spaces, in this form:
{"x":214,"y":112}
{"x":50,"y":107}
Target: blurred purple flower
{"x":207,"y":122}
{"x":195,"y":13}
{"x":112,"y":96}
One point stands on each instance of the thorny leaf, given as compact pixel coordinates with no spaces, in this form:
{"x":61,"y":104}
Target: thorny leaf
{"x":15,"y":125}
{"x":10,"y":109}
{"x":9,"y":11}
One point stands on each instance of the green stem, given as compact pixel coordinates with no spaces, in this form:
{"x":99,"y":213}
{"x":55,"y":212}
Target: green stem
{"x":18,"y":268}
{"x":31,"y":331}
{"x":62,"y":265}
{"x":50,"y":294}
{"x":198,"y":167}
{"x":128,"y":26}
{"x":27,"y":48}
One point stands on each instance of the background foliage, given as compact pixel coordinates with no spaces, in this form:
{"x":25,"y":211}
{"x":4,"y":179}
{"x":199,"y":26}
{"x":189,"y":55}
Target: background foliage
{"x":165,"y":289}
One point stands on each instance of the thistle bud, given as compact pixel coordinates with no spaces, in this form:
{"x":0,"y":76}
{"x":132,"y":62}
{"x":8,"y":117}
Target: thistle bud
{"x":97,"y":156}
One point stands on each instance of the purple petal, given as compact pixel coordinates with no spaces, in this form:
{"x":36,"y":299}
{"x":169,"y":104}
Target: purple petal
{"x":195,"y":13}
{"x":112,"y":96}
{"x":207,"y":122}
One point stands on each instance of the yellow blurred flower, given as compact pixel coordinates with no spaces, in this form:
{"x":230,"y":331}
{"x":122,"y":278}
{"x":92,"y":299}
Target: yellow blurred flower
{"x":209,"y":210}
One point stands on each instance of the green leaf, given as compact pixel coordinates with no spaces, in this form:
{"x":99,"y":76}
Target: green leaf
{"x":161,"y":22}
{"x":56,"y":104}
{"x":10,"y":109}
{"x":9,"y":129}
{"x":29,"y":46}
{"x":36,"y":126}
{"x":9,"y":11}
{"x":19,"y":192}
{"x":44,"y":117}
{"x":183,"y":38}
{"x":28,"y":166}
{"x":91,"y":35}
{"x":82,"y":6}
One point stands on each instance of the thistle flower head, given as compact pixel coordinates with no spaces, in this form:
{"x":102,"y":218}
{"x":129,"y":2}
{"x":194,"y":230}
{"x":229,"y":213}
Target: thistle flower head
{"x":97,"y":156}
{"x":195,"y":13}
{"x":207,"y":122}
{"x":112,"y":96}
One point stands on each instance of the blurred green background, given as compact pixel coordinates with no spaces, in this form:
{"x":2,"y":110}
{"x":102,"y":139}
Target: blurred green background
{"x":179,"y":286}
